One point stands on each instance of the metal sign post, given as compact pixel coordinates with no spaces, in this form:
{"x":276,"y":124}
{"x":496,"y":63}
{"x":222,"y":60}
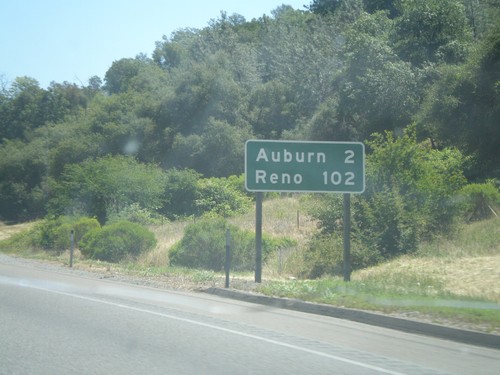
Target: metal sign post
{"x":258,"y":238}
{"x":347,"y":239}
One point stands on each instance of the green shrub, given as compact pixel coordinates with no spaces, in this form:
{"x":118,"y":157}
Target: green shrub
{"x":117,"y":241}
{"x":383,"y":222}
{"x":479,"y":200}
{"x":187,"y":194}
{"x":49,"y":234}
{"x":84,"y":225}
{"x":221,"y":196}
{"x":204,"y":246}
{"x":325,"y":256}
{"x":135,"y":214}
{"x":54,"y":233}
{"x":103,"y":186}
{"x":180,"y":193}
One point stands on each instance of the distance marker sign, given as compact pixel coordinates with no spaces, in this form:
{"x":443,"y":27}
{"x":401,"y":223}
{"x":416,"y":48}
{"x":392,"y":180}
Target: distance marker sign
{"x":295,"y":166}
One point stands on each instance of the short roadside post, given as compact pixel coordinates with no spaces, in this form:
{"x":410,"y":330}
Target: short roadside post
{"x":71,"y":247}
{"x":304,"y":167}
{"x":228,"y":256}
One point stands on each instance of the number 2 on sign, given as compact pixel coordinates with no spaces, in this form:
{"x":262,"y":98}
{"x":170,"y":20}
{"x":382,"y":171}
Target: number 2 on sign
{"x":349,"y":157}
{"x":336,"y":178}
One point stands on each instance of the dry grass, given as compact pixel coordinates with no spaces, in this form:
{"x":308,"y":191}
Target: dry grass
{"x":465,"y":266}
{"x":166,"y":236}
{"x":280,"y":217}
{"x":8,"y":230}
{"x":468,"y":277}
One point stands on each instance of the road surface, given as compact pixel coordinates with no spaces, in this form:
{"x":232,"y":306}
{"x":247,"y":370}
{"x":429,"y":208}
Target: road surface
{"x":60,"y":322}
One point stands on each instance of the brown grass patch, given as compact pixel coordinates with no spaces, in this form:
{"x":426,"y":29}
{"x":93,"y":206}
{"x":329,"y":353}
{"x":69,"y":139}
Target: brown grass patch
{"x":7,"y":231}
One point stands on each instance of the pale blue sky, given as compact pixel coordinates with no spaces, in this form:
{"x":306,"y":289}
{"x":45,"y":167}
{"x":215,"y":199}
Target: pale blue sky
{"x":73,"y":40}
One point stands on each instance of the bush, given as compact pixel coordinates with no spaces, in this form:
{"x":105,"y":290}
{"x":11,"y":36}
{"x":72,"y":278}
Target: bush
{"x":117,"y":241}
{"x":325,"y":256}
{"x":204,"y":246}
{"x":383,"y":222}
{"x":54,"y":233}
{"x":107,"y":185}
{"x":480,"y":200}
{"x":187,"y":194}
{"x":135,"y":214}
{"x":180,"y":193}
{"x":221,"y":196}
{"x":84,"y":225}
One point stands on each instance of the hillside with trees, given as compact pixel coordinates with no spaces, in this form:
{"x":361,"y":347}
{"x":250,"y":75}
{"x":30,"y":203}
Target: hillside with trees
{"x":417,"y":81}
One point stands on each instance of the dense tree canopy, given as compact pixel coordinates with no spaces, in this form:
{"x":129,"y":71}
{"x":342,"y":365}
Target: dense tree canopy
{"x":336,"y":70}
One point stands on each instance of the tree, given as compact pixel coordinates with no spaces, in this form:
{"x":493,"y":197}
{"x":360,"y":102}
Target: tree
{"x":431,"y":31}
{"x":23,"y":180}
{"x":299,"y":51}
{"x":21,"y":109}
{"x":411,"y":191}
{"x":330,"y":7}
{"x":272,"y":109}
{"x":180,"y":193}
{"x":26,"y":107}
{"x":218,"y":152}
{"x":377,"y":90}
{"x":483,"y":15}
{"x":372,"y":6}
{"x":107,"y":185}
{"x":139,"y":74}
{"x":462,"y":108}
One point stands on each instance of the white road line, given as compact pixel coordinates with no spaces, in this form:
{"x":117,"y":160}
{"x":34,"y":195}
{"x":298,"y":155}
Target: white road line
{"x":207,"y":325}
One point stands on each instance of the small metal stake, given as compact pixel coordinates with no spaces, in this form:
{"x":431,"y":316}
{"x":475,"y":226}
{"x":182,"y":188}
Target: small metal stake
{"x":228,"y":256}
{"x":72,"y":247}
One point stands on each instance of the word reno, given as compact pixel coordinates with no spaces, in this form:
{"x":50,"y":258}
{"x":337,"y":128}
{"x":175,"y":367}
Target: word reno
{"x":304,"y":166}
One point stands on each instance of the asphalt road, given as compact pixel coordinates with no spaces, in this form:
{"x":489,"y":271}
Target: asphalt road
{"x":62,"y":323}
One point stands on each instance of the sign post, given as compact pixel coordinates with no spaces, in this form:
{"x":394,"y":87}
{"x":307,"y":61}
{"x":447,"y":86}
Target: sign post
{"x":305,"y":167}
{"x":258,"y":238}
{"x":347,"y":240}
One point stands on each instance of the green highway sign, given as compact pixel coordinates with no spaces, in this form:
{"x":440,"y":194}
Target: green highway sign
{"x":296,"y":166}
